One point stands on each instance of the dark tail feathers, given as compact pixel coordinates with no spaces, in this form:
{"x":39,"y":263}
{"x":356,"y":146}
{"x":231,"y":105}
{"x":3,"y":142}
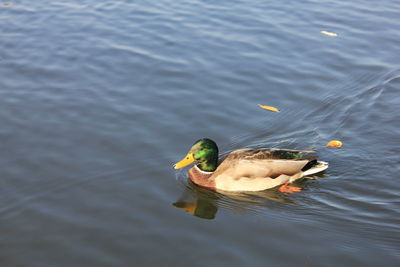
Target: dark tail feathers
{"x":309,"y":165}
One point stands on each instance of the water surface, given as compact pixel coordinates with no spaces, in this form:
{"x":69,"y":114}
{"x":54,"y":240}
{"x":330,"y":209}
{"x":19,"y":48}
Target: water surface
{"x":99,"y":99}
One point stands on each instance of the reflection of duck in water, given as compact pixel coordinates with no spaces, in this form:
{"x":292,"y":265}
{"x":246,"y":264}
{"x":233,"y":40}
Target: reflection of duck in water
{"x":249,"y":169}
{"x":201,"y":208}
{"x":204,"y":203}
{"x":198,"y":202}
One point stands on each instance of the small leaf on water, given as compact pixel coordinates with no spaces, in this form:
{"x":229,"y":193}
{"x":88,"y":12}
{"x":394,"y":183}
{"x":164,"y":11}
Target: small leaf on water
{"x":334,"y":143}
{"x":332,"y":34}
{"x":269,"y":108}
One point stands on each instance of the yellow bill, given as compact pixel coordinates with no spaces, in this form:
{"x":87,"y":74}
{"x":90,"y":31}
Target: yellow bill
{"x":269,"y":108}
{"x":186,"y":161}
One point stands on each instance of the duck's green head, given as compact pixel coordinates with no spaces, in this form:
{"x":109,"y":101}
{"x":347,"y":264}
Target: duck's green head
{"x":204,"y":152}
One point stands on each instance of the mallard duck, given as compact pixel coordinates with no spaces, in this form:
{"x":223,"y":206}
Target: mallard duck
{"x":249,"y":169}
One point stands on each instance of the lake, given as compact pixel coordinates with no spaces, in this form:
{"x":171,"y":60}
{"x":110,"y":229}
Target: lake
{"x":98,"y":99}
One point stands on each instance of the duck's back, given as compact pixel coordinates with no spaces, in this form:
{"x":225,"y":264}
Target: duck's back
{"x":259,"y":169}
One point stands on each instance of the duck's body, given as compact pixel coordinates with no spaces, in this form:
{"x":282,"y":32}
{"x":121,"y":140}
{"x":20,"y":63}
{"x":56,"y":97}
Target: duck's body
{"x":249,"y":169}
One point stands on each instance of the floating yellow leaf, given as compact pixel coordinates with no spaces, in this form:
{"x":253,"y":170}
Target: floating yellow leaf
{"x":334,"y":143}
{"x":329,"y":33}
{"x":269,"y":108}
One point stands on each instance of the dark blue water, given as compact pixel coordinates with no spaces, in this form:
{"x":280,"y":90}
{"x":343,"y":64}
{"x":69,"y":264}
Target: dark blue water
{"x":99,"y":98}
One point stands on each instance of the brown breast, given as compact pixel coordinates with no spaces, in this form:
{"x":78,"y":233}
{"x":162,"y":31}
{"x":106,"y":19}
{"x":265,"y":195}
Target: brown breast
{"x":201,"y":178}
